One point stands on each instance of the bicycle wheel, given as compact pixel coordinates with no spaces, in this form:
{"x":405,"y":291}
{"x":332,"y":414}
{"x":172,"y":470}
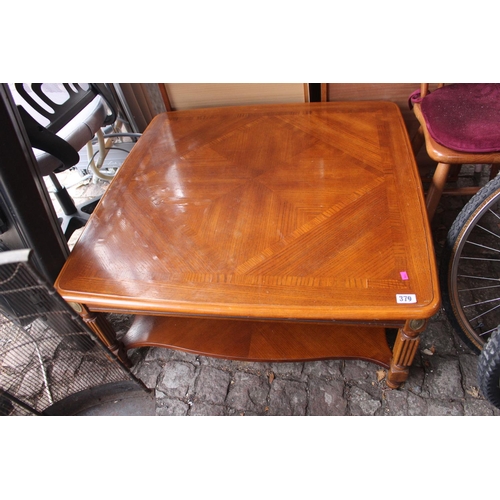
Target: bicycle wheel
{"x":470,"y":268}
{"x":488,"y":369}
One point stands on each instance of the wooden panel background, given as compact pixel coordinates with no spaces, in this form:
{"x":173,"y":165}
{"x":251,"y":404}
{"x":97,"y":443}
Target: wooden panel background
{"x":202,"y":95}
{"x":395,"y":92}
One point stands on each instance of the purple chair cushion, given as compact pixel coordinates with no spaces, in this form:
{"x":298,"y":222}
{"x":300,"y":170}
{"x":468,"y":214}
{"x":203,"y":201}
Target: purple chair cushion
{"x":464,"y":116}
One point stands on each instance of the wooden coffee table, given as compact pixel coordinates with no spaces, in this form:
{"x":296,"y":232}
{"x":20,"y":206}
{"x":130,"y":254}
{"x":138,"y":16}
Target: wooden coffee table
{"x":264,"y":233}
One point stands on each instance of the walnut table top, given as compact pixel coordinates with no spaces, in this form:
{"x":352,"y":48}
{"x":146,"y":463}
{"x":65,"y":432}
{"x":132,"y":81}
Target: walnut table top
{"x":299,"y":211}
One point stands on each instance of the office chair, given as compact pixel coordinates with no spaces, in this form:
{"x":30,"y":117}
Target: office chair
{"x":459,"y":124}
{"x":58,"y":128}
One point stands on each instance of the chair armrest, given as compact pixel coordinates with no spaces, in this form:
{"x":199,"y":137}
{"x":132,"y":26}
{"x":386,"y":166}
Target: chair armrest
{"x":47,"y":141}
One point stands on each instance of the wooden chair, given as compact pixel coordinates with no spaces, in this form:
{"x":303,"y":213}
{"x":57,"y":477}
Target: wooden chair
{"x":179,"y":96}
{"x":459,"y":125}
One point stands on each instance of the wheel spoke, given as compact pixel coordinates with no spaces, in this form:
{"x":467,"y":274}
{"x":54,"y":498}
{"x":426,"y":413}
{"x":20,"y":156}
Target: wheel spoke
{"x":483,"y":246}
{"x":477,"y":277}
{"x":489,"y":331}
{"x":481,"y":303}
{"x":488,"y":231}
{"x":494,"y":213}
{"x":478,"y":258}
{"x":478,"y":288}
{"x":483,"y":314}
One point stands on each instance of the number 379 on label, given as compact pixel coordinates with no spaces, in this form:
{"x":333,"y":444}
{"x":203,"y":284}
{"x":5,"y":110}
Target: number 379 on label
{"x":408,"y":298}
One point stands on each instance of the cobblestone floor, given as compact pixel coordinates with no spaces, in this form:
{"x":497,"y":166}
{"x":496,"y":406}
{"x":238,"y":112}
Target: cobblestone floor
{"x":442,"y":379}
{"x":443,"y":383}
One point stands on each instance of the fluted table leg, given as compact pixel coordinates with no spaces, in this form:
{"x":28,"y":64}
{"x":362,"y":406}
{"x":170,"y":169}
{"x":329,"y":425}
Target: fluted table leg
{"x":404,"y":351}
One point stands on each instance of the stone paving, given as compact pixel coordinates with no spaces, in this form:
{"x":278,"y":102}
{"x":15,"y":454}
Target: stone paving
{"x":441,"y":383}
{"x":442,"y":379}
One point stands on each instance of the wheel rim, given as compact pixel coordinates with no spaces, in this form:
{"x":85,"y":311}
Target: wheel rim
{"x":474,"y":277}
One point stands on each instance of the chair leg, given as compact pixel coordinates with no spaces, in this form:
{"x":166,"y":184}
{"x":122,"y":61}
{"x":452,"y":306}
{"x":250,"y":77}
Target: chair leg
{"x":417,"y":141}
{"x":495,"y":167}
{"x":74,"y":217}
{"x":436,"y":188}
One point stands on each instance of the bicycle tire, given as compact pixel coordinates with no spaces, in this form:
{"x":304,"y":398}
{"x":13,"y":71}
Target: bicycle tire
{"x":470,"y":273}
{"x":488,"y":369}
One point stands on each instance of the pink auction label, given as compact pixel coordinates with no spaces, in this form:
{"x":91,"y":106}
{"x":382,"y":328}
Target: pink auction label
{"x":404,"y":276}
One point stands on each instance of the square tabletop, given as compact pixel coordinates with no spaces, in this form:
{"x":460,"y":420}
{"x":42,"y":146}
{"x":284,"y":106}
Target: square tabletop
{"x":310,"y":212}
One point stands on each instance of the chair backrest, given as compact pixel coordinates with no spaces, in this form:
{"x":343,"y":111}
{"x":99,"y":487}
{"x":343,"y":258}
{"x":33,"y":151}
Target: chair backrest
{"x":179,"y":96}
{"x":59,"y":108}
{"x":61,"y":118}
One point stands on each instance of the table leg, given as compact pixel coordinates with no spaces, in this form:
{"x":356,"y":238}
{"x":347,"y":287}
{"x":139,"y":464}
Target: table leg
{"x":98,"y":323}
{"x":404,"y":351}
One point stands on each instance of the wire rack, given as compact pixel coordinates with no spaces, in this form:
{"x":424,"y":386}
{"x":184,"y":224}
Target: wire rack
{"x":47,"y":353}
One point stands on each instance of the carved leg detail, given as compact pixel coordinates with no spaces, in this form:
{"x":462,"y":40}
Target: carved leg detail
{"x":104,"y":330}
{"x":404,"y":352}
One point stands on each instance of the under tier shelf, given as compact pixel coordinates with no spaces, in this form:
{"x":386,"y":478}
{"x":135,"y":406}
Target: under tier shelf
{"x":259,"y":340}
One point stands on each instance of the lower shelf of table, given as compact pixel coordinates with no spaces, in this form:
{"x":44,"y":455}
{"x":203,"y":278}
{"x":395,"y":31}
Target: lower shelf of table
{"x":259,"y":340}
